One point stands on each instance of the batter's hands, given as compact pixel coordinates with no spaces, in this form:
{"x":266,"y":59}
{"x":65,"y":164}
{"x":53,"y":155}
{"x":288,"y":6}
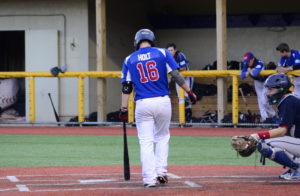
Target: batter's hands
{"x":123,"y":115}
{"x":192,"y":96}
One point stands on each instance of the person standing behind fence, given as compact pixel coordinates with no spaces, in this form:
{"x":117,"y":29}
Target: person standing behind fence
{"x":183,"y":66}
{"x":252,"y":67}
{"x":289,"y":61}
{"x":146,"y":71}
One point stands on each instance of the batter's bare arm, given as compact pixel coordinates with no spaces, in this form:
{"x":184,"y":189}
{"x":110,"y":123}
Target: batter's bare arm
{"x":125,"y":98}
{"x":181,"y":82}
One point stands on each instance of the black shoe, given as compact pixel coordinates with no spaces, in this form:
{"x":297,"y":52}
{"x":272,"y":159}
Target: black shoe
{"x":150,"y":185}
{"x":162,"y":179}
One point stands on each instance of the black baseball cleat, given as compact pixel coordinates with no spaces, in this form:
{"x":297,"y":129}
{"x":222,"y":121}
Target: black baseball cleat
{"x":162,"y":179}
{"x":149,"y":185}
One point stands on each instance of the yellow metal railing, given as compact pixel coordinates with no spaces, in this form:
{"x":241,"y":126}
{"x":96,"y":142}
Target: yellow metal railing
{"x":79,"y":75}
{"x":117,"y":74}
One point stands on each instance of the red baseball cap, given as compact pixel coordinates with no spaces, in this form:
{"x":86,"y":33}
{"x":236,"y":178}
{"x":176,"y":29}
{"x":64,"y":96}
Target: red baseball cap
{"x":247,"y":57}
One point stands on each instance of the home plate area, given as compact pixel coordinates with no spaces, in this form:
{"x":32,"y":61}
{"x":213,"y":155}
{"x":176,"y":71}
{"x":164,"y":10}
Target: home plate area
{"x":212,"y":180}
{"x":36,"y":183}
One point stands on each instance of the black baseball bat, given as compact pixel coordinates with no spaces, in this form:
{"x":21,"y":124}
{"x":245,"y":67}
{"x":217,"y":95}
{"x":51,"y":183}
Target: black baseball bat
{"x":126,"y":156}
{"x":55,"y":113}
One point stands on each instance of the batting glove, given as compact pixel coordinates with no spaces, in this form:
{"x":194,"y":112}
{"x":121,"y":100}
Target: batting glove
{"x":123,"y":115}
{"x":192,"y":96}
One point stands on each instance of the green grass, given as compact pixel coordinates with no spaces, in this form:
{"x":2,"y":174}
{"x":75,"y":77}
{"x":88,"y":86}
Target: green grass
{"x":80,"y":150}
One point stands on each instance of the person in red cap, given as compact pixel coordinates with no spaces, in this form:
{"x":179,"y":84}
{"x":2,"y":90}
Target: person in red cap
{"x":252,"y":67}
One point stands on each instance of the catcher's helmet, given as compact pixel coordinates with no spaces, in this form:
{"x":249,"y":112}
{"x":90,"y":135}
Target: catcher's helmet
{"x":280,"y":81}
{"x":143,"y":34}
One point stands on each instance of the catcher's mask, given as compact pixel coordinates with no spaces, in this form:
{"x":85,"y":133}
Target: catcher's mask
{"x":276,"y":86}
{"x":142,"y":35}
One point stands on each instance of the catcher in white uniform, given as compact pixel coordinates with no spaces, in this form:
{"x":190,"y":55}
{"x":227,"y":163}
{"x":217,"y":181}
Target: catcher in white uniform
{"x":146,"y":71}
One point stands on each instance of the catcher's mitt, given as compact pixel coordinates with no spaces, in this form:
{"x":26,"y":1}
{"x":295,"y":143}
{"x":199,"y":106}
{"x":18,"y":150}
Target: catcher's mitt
{"x":244,"y":145}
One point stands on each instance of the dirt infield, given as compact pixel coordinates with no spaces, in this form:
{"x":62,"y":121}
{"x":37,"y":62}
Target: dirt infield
{"x":219,"y":132}
{"x":108,"y":180}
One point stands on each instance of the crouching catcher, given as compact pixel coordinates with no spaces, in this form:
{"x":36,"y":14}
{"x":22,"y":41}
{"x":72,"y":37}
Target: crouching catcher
{"x":281,"y":144}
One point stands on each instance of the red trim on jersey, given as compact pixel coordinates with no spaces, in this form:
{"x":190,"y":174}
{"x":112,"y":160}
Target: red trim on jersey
{"x":284,"y":126}
{"x":264,"y":134}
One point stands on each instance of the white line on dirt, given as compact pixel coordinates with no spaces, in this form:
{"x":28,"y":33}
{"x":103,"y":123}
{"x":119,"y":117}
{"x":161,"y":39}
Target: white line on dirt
{"x":112,"y":188}
{"x":22,"y":187}
{"x":228,"y":176}
{"x":95,"y":181}
{"x":12,"y":178}
{"x":47,"y":175}
{"x":192,"y":184}
{"x":9,"y":189}
{"x":173,"y":176}
{"x":189,"y":183}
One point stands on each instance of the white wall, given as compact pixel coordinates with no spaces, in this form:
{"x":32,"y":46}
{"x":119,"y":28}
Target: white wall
{"x":122,"y":23}
{"x":199,"y":45}
{"x":24,"y":15}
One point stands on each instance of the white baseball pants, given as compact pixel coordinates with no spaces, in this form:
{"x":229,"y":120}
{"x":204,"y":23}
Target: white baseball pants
{"x":153,"y":116}
{"x":297,"y":86}
{"x":265,"y":109}
{"x":290,"y":144}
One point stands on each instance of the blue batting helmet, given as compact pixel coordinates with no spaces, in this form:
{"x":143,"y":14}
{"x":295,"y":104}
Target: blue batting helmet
{"x":280,"y":81}
{"x":143,"y":34}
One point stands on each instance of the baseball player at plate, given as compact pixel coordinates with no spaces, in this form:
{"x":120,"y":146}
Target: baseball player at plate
{"x":145,"y":71}
{"x":282,"y":144}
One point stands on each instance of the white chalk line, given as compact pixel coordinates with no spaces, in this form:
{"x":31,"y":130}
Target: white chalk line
{"x":170,"y":175}
{"x":112,"y":188}
{"x":22,"y":188}
{"x":190,"y":184}
{"x":229,"y":176}
{"x":9,"y":189}
{"x":50,"y":175}
{"x":12,"y":178}
{"x":91,"y":181}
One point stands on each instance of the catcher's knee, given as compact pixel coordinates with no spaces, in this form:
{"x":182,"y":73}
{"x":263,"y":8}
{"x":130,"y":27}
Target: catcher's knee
{"x":265,"y":149}
{"x":277,"y":154}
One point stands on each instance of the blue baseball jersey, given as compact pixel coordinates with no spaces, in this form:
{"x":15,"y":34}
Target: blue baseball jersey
{"x":289,"y":115}
{"x":293,"y":60}
{"x":181,"y":60}
{"x":147,"y":69}
{"x":258,"y":67}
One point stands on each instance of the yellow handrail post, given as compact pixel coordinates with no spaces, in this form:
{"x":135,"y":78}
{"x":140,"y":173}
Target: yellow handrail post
{"x":131,"y":108}
{"x":80,"y":99}
{"x":181,"y":106}
{"x":235,"y":100}
{"x":292,"y":81}
{"x":31,"y":100}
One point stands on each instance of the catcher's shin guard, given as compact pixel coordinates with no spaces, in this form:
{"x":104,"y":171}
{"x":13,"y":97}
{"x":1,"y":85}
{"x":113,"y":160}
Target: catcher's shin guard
{"x":278,"y":155}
